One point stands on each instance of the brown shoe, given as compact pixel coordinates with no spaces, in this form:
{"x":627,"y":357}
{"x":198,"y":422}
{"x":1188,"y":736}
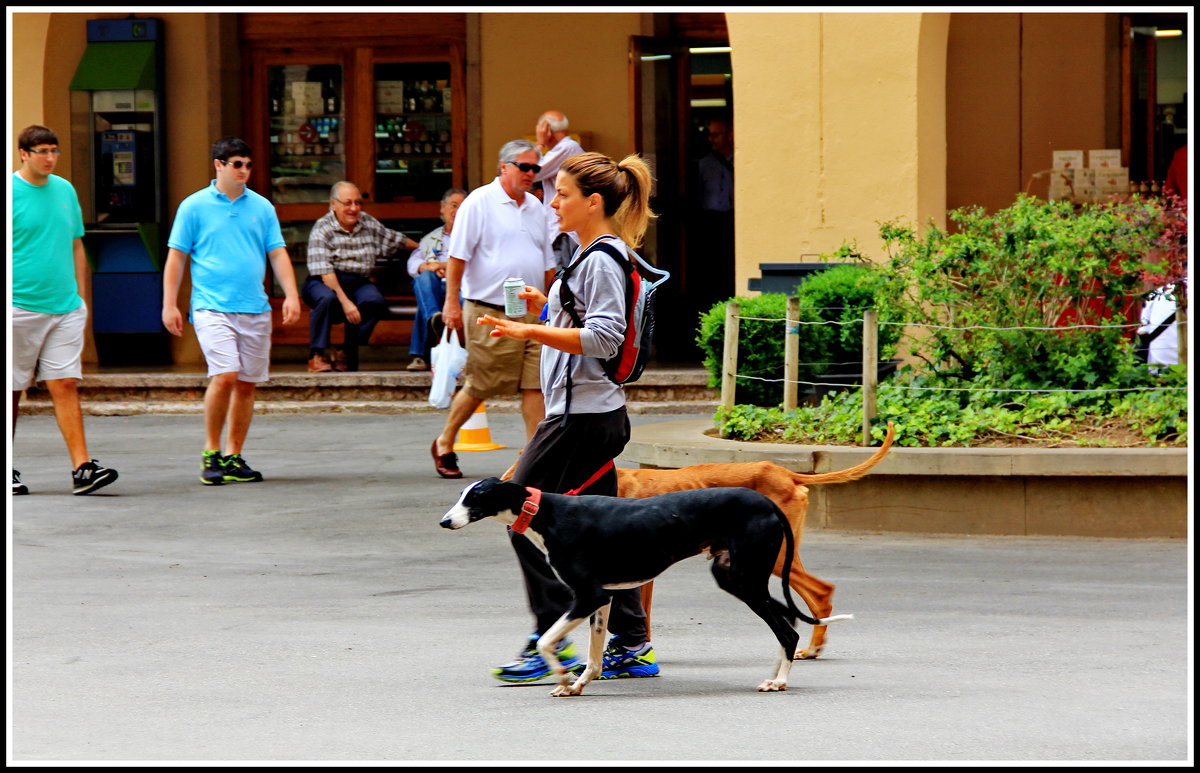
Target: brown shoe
{"x":418,"y":363}
{"x":319,"y":364}
{"x":445,"y":464}
{"x":339,"y":361}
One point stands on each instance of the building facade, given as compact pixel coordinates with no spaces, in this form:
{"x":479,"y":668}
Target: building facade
{"x":841,"y":120}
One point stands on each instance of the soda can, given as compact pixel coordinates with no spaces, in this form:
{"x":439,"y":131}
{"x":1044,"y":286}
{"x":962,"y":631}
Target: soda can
{"x":514,"y":307}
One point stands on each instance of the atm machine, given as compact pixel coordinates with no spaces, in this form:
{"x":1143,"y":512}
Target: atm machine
{"x":117,"y":112}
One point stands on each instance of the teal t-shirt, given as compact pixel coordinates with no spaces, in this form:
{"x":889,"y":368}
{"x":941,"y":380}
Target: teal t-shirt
{"x":46,"y":221}
{"x":228,"y":242}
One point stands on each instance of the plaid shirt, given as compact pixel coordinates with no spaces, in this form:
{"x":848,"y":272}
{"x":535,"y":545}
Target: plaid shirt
{"x":331,"y":247}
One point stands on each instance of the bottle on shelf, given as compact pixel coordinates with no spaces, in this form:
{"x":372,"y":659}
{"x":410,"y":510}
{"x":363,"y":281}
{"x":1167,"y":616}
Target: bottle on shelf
{"x":329,"y":94}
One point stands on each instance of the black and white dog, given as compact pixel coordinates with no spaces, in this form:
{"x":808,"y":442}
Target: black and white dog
{"x":600,"y":544}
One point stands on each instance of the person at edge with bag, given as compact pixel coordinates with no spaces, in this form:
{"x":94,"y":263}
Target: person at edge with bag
{"x":602,"y":201}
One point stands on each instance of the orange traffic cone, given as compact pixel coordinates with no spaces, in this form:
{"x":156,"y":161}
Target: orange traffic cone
{"x":475,"y":435}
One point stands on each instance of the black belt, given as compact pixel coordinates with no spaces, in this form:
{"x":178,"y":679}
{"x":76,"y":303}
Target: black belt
{"x":495,"y":306}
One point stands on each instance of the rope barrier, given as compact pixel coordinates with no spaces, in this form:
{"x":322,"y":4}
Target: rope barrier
{"x":947,"y":327}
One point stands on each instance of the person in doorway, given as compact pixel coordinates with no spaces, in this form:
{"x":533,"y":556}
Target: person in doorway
{"x":343,"y":248}
{"x":427,"y":267}
{"x":499,"y":233}
{"x":48,"y":313}
{"x":227,"y":233}
{"x":714,"y":246}
{"x":598,"y":199}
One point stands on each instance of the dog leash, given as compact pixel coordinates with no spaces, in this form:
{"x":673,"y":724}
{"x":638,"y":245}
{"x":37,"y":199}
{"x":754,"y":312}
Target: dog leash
{"x":530,"y":507}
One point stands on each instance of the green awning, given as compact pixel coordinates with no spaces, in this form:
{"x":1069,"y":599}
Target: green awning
{"x":107,"y":66}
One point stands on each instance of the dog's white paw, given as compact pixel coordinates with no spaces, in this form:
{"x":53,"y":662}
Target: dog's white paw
{"x":564,"y":689}
{"x":772,"y":685}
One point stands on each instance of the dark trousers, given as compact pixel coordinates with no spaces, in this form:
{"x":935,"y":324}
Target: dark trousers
{"x":559,"y":458}
{"x":327,"y":312}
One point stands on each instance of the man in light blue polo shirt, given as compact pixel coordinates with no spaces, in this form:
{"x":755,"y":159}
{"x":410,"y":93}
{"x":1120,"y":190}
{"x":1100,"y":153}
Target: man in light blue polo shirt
{"x":48,"y":315}
{"x":229,"y":232}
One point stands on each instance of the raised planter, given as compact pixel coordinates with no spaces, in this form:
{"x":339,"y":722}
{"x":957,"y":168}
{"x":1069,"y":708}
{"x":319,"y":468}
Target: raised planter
{"x":1103,"y":492}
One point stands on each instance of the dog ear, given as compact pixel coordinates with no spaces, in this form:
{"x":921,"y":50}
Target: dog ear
{"x":500,"y":494}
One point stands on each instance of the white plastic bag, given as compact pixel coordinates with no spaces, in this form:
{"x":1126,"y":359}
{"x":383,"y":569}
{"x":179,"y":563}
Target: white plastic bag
{"x":446,"y":360}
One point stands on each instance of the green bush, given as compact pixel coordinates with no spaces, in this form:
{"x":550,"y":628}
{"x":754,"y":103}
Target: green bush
{"x":1033,"y":265}
{"x":838,"y":295}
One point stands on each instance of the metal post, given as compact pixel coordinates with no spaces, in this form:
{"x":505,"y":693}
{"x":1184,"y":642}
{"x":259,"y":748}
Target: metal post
{"x":733,"y":311}
{"x":870,"y":365}
{"x":1181,"y":332}
{"x":791,"y":354}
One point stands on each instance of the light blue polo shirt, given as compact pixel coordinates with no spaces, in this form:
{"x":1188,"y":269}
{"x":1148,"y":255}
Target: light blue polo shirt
{"x":46,"y":221}
{"x":228,"y":242}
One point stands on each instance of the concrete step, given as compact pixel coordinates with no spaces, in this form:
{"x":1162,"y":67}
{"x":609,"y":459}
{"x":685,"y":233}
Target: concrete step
{"x":682,"y":390}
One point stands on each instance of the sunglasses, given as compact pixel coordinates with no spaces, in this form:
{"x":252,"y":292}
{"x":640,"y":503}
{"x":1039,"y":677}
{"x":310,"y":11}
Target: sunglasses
{"x":238,"y":164}
{"x":46,"y":152}
{"x":535,"y":168}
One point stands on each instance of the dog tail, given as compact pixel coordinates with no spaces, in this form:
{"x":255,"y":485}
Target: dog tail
{"x":850,"y":473}
{"x":790,"y":546}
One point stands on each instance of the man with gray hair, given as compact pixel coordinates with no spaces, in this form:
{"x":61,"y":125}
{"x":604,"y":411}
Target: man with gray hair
{"x":556,"y":146}
{"x":499,"y":233}
{"x":343,"y":247}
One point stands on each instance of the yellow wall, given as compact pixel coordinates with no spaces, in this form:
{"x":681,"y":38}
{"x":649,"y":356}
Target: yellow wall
{"x":28,"y":48}
{"x":840,"y":124}
{"x":573,"y":62}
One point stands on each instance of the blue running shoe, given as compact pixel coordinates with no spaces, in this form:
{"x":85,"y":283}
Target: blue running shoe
{"x":621,"y":663}
{"x":529,"y":666}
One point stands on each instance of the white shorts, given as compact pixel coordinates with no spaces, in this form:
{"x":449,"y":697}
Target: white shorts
{"x":46,"y":346}
{"x":235,"y":343}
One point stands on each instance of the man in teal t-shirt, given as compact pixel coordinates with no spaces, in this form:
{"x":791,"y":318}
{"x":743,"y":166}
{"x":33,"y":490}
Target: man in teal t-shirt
{"x":227,"y":233}
{"x":49,"y":318}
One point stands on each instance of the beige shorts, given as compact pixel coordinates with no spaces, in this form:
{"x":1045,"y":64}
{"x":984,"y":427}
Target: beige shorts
{"x":46,"y":347}
{"x":498,"y":365}
{"x":235,"y":343}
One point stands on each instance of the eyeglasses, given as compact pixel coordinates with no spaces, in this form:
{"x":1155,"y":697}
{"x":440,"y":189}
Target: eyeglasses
{"x":238,"y":164}
{"x":350,"y":202}
{"x":47,"y":152}
{"x":535,"y":168}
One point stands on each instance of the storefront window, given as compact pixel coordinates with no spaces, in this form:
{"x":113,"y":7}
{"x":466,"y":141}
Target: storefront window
{"x":413,"y":131}
{"x":306,"y":131}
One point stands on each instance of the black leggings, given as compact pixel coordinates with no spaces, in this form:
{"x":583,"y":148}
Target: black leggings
{"x":560,"y":457}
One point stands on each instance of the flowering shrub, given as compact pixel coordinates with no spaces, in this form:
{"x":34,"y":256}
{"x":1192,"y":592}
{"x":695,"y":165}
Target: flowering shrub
{"x":1035,"y":264}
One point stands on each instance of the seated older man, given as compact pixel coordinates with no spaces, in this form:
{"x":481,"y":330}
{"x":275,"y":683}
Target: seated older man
{"x":427,"y":267}
{"x":342,"y":250}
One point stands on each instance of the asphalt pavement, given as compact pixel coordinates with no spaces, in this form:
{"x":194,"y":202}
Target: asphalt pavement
{"x":322,"y":616}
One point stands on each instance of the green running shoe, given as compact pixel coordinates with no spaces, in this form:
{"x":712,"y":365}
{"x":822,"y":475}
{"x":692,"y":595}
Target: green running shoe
{"x":620,"y":663}
{"x":237,"y":471}
{"x":529,"y":666}
{"x":212,"y":472}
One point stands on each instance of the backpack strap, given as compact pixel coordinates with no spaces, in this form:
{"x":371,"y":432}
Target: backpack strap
{"x":566,"y":299}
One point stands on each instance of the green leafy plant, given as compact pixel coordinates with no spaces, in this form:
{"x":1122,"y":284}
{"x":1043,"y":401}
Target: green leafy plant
{"x":1035,"y":265}
{"x":831,"y":304}
{"x":1155,"y":416}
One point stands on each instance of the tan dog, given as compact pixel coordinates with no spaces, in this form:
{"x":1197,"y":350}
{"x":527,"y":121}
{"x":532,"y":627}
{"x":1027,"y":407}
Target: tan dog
{"x":785,"y":488}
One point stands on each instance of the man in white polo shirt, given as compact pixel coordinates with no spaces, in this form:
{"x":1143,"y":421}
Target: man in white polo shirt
{"x":499,"y":232}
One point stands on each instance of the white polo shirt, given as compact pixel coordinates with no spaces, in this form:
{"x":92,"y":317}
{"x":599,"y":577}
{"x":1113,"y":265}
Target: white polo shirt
{"x":498,"y":239}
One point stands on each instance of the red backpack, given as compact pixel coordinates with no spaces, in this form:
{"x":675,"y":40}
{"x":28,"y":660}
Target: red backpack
{"x":630,"y":360}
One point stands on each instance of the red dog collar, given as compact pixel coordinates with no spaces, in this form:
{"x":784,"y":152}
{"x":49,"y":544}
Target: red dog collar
{"x":528,"y":510}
